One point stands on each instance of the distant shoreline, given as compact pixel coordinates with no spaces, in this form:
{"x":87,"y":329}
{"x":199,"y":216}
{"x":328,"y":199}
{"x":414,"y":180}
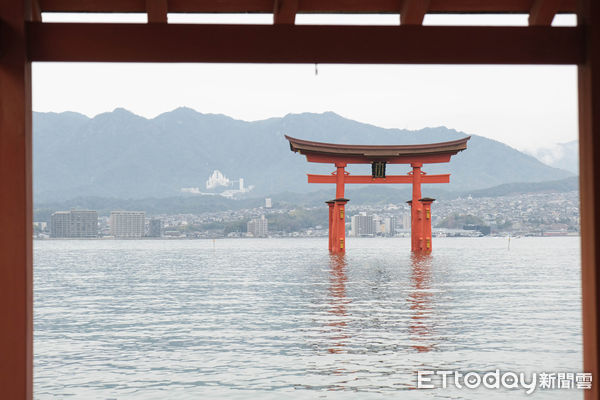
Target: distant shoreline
{"x":300,"y":237}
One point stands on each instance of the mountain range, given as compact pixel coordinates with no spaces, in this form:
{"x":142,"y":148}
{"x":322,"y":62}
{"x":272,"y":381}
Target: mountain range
{"x":122,"y":155}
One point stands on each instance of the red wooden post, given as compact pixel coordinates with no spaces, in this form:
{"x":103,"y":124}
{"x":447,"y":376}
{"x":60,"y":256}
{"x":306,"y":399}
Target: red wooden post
{"x":330,"y":203}
{"x":588,"y":17}
{"x":339,"y":217}
{"x":16,"y":283}
{"x":339,"y":180}
{"x":416,"y":234}
{"x":426,"y":224}
{"x":338,"y":244}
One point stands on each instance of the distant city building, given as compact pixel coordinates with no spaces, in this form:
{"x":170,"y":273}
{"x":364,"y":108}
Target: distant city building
{"x":219,"y":184}
{"x":127,"y":224}
{"x":258,"y":227}
{"x":59,"y":224}
{"x":362,"y":225}
{"x":484,"y":229}
{"x":41,"y":225}
{"x":406,"y":221}
{"x":84,"y":224}
{"x":155,"y":227}
{"x":389,"y":226}
{"x":372,"y":225}
{"x":74,"y":224}
{"x":268,"y":203}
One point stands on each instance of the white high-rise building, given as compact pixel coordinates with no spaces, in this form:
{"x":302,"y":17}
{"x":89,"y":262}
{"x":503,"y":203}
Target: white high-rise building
{"x":258,"y":227}
{"x":406,"y":220}
{"x":389,"y":226}
{"x":376,"y":224}
{"x":127,"y":224}
{"x":362,"y":225}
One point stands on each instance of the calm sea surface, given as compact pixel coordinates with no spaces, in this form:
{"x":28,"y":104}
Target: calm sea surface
{"x":278,"y":319}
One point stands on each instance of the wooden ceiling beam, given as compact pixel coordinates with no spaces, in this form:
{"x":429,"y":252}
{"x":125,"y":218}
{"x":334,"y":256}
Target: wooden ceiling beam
{"x":157,"y":11}
{"x":304,"y":44}
{"x":116,"y":6}
{"x":36,"y":11}
{"x":305,"y":6}
{"x":284,"y":11}
{"x":543,"y":11}
{"x":413,"y":12}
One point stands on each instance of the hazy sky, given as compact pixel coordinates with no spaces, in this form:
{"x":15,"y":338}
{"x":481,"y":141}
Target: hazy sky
{"x":523,"y":106}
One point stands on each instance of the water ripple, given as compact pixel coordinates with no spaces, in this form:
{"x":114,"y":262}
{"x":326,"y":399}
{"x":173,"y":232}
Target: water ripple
{"x":281,"y":318}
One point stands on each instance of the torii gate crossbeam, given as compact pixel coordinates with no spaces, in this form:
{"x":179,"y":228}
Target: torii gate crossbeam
{"x":368,"y":179}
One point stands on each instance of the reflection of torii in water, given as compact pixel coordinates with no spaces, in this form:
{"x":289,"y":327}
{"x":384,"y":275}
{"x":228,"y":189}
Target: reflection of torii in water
{"x":419,"y":299}
{"x":338,"y":301}
{"x":379,"y":156}
{"x":420,"y":303}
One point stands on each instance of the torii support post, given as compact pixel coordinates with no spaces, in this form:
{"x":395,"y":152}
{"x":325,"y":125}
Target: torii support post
{"x":330,"y":204}
{"x":337,"y":230}
{"x":416,"y":209}
{"x":426,"y":243}
{"x":339,"y":226}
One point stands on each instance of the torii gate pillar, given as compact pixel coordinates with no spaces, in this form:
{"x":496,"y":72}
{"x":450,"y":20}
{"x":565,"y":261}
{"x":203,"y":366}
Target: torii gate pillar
{"x":337,"y":212}
{"x":337,"y":230}
{"x":420,"y":214}
{"x":330,"y":204}
{"x":416,"y":209}
{"x":426,"y":243}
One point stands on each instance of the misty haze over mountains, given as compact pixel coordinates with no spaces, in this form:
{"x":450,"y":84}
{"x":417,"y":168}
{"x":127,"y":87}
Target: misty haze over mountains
{"x":121,"y":155}
{"x":559,"y":155}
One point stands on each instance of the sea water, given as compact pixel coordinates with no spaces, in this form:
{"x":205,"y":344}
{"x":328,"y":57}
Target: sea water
{"x":281,"y":318}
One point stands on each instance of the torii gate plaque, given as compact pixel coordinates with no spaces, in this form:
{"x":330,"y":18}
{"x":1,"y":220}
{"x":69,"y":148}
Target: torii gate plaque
{"x":379,"y":156}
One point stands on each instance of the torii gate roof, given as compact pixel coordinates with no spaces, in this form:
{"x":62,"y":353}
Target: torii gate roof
{"x":366,"y":154}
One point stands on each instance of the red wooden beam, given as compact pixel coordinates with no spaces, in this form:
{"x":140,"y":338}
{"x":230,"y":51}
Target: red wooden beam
{"x":304,"y":44}
{"x":16,"y":282}
{"x":436,"y":158}
{"x":284,"y":11}
{"x":305,"y":6}
{"x":36,"y":11}
{"x":157,"y":11}
{"x":368,"y":179}
{"x":543,"y":11}
{"x":589,"y":186}
{"x":413,"y":12}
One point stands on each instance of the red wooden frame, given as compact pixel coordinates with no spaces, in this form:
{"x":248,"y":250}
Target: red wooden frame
{"x":304,"y":6}
{"x":23,"y":41}
{"x":304,"y":44}
{"x":368,"y":179}
{"x":589,"y":186}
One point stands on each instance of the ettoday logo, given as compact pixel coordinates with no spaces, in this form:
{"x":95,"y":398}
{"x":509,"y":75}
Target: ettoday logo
{"x":506,"y":380}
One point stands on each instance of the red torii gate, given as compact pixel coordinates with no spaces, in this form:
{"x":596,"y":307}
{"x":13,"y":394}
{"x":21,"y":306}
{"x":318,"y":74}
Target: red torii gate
{"x":379,"y":156}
